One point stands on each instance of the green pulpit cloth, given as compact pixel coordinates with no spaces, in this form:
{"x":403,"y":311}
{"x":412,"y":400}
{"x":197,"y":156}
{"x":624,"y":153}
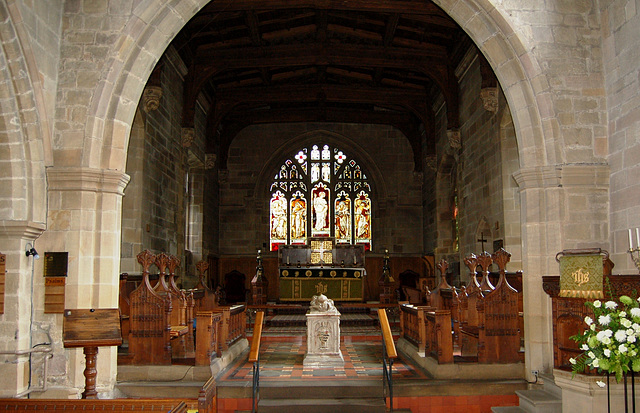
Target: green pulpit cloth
{"x":581,"y":276}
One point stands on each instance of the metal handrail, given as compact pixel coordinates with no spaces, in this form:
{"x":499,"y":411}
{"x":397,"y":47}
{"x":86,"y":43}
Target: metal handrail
{"x":389,"y":354}
{"x":254,"y":357}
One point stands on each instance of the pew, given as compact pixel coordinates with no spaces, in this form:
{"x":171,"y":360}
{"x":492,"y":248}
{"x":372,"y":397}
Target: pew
{"x":498,"y":314}
{"x":207,"y":337}
{"x":233,"y":325}
{"x":429,"y":329}
{"x":468,"y":331}
{"x":207,"y":398}
{"x":205,"y":298}
{"x":149,"y":335}
{"x":100,"y":405}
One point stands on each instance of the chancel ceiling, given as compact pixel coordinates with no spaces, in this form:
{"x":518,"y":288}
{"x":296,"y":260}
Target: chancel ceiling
{"x":376,"y":62}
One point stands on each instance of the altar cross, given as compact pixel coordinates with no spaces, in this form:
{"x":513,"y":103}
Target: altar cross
{"x":318,"y":249}
{"x":482,"y":240}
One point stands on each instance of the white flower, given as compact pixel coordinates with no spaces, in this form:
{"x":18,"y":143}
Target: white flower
{"x":604,"y":319}
{"x":589,"y":320}
{"x":608,"y":332}
{"x":592,"y":327}
{"x":584,"y":347}
{"x":607,"y":352}
{"x":622,"y":314}
{"x":591,"y":355}
{"x":610,"y":305}
{"x":601,"y":383}
{"x":601,"y":336}
{"x":572,"y":360}
{"x":621,"y":336}
{"x":598,"y":304}
{"x":631,"y":338}
{"x":636,"y":327}
{"x":622,"y":348}
{"x":595,"y":363}
{"x":625,"y":322}
{"x":635,"y":312}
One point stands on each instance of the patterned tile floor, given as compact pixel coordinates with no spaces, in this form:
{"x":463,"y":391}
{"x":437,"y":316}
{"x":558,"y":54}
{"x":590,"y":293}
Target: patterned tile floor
{"x":281,"y":358}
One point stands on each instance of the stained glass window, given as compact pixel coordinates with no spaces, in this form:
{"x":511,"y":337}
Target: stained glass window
{"x":320,"y":191}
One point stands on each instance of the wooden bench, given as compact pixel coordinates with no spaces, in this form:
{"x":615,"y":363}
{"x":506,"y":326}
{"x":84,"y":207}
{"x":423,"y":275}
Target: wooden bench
{"x":149,"y":335}
{"x":100,"y":405}
{"x":207,"y":398}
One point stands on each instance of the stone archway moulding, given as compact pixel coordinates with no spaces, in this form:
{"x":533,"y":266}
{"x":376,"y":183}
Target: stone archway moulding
{"x":154,"y":24}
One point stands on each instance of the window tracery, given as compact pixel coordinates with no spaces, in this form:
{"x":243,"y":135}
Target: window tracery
{"x":320,"y":192}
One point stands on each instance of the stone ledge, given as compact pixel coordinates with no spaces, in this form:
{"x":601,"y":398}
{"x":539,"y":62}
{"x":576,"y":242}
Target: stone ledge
{"x":470,"y":371}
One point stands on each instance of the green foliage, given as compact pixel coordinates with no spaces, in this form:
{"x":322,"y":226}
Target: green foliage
{"x":611,"y":343}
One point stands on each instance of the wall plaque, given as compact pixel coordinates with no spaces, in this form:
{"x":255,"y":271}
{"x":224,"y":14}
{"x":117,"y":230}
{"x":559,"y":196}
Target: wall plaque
{"x":56,"y":264}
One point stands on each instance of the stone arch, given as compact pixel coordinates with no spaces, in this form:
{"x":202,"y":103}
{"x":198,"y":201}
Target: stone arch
{"x":516,"y":70}
{"x":378,"y":187}
{"x":147,"y":35}
{"x":23,"y":122}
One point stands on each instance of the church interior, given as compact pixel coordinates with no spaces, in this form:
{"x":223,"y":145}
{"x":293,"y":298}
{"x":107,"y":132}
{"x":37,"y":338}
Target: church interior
{"x":240,"y":205}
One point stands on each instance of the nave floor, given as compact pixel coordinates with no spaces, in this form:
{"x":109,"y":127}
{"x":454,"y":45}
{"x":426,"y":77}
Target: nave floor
{"x":281,"y":365}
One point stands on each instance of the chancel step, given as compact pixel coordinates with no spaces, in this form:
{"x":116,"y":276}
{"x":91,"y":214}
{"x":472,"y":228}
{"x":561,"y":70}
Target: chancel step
{"x":356,"y":396}
{"x":543,"y":398}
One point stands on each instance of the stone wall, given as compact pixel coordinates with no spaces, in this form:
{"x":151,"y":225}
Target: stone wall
{"x":385,"y":155}
{"x":620,"y":34}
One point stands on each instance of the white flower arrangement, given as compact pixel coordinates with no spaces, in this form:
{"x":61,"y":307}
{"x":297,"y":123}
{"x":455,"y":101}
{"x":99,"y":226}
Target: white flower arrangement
{"x":610,"y":342}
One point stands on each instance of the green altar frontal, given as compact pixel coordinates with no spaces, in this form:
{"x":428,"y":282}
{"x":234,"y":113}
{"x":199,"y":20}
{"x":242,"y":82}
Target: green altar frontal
{"x":339,"y":284}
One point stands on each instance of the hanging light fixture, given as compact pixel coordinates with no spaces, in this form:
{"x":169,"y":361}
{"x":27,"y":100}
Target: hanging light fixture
{"x":31,"y":251}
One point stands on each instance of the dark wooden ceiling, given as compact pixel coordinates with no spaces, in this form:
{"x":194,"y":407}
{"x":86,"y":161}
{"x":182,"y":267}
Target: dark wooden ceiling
{"x":264,"y":61}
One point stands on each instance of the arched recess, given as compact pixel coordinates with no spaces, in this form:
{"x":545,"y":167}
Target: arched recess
{"x":132,"y":241}
{"x":446,"y":181}
{"x":23,"y":123}
{"x":510,"y":230}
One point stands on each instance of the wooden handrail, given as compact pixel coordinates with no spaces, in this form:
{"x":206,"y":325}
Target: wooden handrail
{"x":257,"y":336}
{"x":386,"y":334}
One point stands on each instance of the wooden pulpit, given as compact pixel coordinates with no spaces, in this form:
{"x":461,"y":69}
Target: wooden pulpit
{"x":91,"y":328}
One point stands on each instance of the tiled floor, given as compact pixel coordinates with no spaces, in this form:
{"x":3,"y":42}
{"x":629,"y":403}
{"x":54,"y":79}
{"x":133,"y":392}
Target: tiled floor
{"x":281,"y":358}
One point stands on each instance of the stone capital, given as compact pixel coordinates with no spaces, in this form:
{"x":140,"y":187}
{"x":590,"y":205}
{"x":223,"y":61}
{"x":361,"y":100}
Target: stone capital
{"x":151,"y":98}
{"x":87,"y":179}
{"x":489,"y":96}
{"x":431,"y":162}
{"x":455,"y":142}
{"x":21,"y":229}
{"x":563,"y":175}
{"x":210,"y":160}
{"x":188,"y":135}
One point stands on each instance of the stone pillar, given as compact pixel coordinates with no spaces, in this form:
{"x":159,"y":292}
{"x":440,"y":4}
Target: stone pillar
{"x":18,"y":298}
{"x":563,"y":207}
{"x":84,"y":219}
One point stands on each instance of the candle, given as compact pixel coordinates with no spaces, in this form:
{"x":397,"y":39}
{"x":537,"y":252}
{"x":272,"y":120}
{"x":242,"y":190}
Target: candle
{"x":630,"y":241}
{"x":637,"y":237}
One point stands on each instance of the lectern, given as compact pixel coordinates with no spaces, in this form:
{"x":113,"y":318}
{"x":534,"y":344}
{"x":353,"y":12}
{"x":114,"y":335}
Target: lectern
{"x":91,"y":328}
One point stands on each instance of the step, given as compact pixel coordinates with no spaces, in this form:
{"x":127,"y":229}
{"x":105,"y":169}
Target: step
{"x":305,"y":390}
{"x":549,"y":385}
{"x":322,"y":405}
{"x":508,"y":409}
{"x":169,"y":389}
{"x":539,"y":401}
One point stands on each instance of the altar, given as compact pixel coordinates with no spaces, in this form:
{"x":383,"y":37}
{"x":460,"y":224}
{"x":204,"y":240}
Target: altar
{"x":321,"y":267}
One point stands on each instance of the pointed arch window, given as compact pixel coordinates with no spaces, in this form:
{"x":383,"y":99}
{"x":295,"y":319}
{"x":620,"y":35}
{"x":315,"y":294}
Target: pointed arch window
{"x":320,"y":191}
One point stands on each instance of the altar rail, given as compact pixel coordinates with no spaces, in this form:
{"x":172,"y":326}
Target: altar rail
{"x":99,"y":405}
{"x":207,"y":337}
